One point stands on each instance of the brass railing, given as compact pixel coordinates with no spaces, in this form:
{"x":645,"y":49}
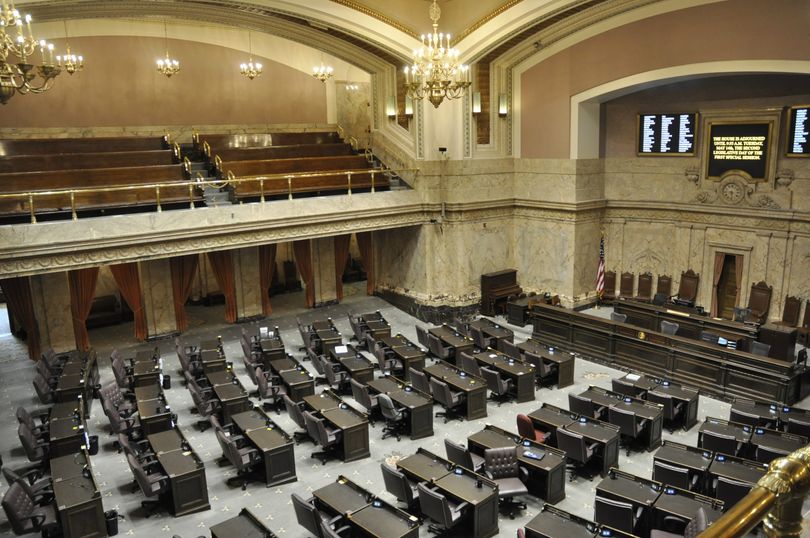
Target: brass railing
{"x":198,"y":183}
{"x":776,"y":500}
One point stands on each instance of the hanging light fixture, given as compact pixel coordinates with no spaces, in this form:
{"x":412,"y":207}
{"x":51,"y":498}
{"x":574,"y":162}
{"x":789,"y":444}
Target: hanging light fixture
{"x":436,"y":73}
{"x":70,"y":62}
{"x":250,"y":70}
{"x":167,"y":66}
{"x":22,"y":76}
{"x":322,"y":72}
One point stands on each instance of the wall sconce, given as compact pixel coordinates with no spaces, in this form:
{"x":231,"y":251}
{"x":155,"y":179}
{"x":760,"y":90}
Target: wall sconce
{"x":409,"y":106}
{"x":503,"y":109}
{"x":476,"y":102}
{"x":391,"y":106}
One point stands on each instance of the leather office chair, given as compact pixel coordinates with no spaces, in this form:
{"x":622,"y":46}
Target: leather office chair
{"x":35,"y":448}
{"x":435,"y":506}
{"x":527,"y":430}
{"x":151,"y":484}
{"x":451,"y":401}
{"x":510,"y":349}
{"x":361,"y":395}
{"x":617,"y":316}
{"x":336,"y":378}
{"x":270,"y":390}
{"x":501,"y":465}
{"x":766,"y":454}
{"x":669,"y":327}
{"x":576,"y":449}
{"x":328,"y":438}
{"x":395,"y":419}
{"x":422,"y":336}
{"x":799,"y":426}
{"x":583,"y":406}
{"x":480,"y":341}
{"x":398,"y":485}
{"x":23,"y":514}
{"x":672,"y":475}
{"x":730,"y":491}
{"x":629,"y":425}
{"x":499,"y":387}
{"x":43,"y":389}
{"x":758,"y":348}
{"x":461,"y":456}
{"x":719,"y":442}
{"x":244,"y":458}
{"x":469,"y":364}
{"x":692,"y":529}
{"x":419,"y":381}
{"x":296,"y":413}
{"x":619,"y":515}
{"x":671,"y":409}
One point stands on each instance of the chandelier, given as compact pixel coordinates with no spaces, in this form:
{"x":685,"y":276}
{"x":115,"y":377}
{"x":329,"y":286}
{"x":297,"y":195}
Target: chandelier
{"x":22,"y":76}
{"x":322,"y":73}
{"x":436,"y":73}
{"x":250,"y":70}
{"x":167,"y":66}
{"x":70,"y":62}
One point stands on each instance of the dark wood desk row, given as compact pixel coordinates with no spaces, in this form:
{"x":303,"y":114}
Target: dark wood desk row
{"x":352,"y":424}
{"x":717,"y":371}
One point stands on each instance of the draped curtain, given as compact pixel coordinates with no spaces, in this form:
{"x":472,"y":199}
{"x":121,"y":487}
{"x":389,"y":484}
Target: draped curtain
{"x":18,"y":294}
{"x":341,"y":257}
{"x":303,"y":260}
{"x":267,"y":266}
{"x":183,"y":269}
{"x":222,"y":264}
{"x":82,"y":288}
{"x":126,"y":277}
{"x":738,"y":275}
{"x":719,"y":257}
{"x":366,"y":246}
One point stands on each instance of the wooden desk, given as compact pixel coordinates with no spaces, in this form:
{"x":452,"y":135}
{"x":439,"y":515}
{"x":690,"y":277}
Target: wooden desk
{"x":463,"y":486}
{"x":277,"y":448}
{"x":521,"y":373}
{"x":607,"y":437}
{"x":563,"y":361}
{"x":383,"y":520}
{"x":244,"y":525}
{"x":474,"y":388}
{"x":552,"y":522}
{"x":299,"y":383}
{"x":354,"y":429}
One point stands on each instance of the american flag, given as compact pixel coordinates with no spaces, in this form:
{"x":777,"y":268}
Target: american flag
{"x":600,"y":271}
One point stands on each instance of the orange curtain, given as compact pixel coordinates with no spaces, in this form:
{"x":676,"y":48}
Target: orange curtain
{"x":738,"y":274}
{"x":267,"y":266}
{"x":183,"y":269}
{"x":366,"y":246}
{"x":719,"y":257}
{"x":222,"y":264}
{"x":82,"y":288}
{"x":126,"y":277}
{"x":20,"y":301}
{"x":303,"y":260}
{"x":341,"y":257}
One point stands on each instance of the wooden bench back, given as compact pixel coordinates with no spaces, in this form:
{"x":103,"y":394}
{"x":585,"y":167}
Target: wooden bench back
{"x":283,"y":152}
{"x":291,"y":166}
{"x":45,"y":146}
{"x":82,"y":161}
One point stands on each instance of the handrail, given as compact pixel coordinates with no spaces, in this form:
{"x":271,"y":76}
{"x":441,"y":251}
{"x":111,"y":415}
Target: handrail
{"x":776,"y":500}
{"x":199,"y":182}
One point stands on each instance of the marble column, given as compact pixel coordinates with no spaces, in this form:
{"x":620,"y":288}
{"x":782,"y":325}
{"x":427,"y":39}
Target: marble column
{"x":158,"y":301}
{"x":323,"y":267}
{"x":51,"y":297}
{"x":246,"y":282}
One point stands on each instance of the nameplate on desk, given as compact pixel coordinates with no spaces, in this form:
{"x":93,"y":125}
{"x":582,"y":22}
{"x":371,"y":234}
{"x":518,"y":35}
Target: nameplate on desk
{"x":341,"y":349}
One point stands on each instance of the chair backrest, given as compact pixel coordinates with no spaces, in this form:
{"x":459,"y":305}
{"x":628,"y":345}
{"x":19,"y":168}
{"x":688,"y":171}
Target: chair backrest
{"x":441,"y":392}
{"x":510,"y":348}
{"x":618,"y":316}
{"x":311,"y":422}
{"x":665,"y":400}
{"x":387,"y":408}
{"x":18,"y":506}
{"x":434,"y":505}
{"x":580,"y":405}
{"x":610,"y":283}
{"x":664,"y":285}
{"x":626,"y":282}
{"x":397,"y":484}
{"x":294,"y":411}
{"x":419,"y":381}
{"x":469,"y":364}
{"x":687,"y":289}
{"x":422,"y":336}
{"x":501,"y":462}
{"x":625,"y":420}
{"x":671,"y":475}
{"x":718,"y":442}
{"x":730,"y":491}
{"x":29,"y":443}
{"x":616,"y":514}
{"x":361,"y":394}
{"x":644,"y":286}
{"x":790,"y":313}
{"x":495,"y":382}
{"x":572,"y":444}
{"x":760,"y":299}
{"x":759,"y":348}
{"x":307,"y":515}
{"x":669,"y":327}
{"x":457,"y":454}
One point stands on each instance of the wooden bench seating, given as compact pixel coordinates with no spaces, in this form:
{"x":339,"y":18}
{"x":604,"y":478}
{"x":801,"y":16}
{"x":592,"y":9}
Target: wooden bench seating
{"x":46,"y":146}
{"x":217,"y":141}
{"x":283,"y":152}
{"x":99,"y":178}
{"x":77,"y":161}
